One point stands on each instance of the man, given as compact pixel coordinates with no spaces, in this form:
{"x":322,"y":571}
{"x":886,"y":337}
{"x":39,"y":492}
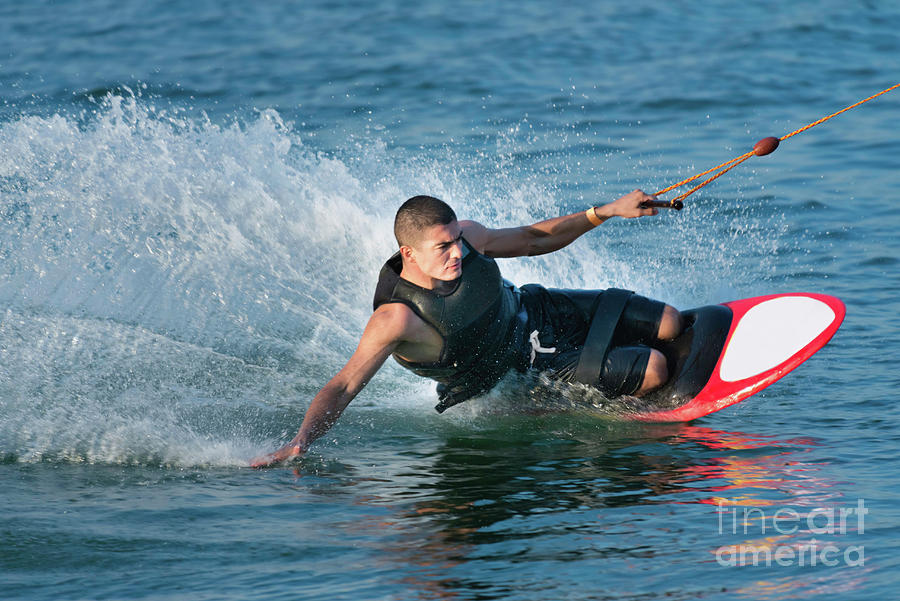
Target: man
{"x":443,"y":311}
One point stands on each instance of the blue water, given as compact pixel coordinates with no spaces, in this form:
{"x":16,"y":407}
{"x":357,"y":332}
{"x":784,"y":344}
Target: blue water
{"x":196,"y":198}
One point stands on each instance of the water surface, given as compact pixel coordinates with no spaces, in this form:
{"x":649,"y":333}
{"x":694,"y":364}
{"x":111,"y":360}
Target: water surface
{"x":197,"y":198}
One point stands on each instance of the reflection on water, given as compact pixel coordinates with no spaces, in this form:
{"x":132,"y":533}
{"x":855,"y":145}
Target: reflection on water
{"x":593,"y":501}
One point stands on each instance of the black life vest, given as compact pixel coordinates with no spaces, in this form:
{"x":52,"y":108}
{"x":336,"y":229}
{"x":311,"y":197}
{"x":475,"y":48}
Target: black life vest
{"x":480,"y":320}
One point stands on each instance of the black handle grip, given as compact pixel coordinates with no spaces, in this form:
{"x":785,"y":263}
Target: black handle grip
{"x":662,"y":204}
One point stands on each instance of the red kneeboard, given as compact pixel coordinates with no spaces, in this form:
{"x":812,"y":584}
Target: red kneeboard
{"x":768,"y":336}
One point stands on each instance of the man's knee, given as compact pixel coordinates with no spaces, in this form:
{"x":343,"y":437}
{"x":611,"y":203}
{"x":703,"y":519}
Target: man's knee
{"x":656,"y":374}
{"x":671,"y":324}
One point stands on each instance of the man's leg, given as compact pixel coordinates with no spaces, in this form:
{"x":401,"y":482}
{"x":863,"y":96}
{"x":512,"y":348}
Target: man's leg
{"x":656,"y":374}
{"x":638,"y":370}
{"x":632,"y":366}
{"x":671,"y":324}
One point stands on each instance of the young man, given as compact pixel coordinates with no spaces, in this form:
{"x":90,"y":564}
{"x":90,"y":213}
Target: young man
{"x":444,"y":312}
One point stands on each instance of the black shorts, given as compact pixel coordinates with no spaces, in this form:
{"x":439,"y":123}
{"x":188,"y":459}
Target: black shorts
{"x":561,"y":319}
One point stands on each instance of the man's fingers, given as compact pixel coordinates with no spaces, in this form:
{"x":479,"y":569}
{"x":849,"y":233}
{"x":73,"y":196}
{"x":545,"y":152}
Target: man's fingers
{"x":285,"y":452}
{"x":264,"y":461}
{"x":635,"y":204}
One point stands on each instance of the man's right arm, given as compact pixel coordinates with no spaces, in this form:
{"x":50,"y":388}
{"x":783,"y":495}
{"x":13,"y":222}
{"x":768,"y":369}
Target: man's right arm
{"x":388,"y":327}
{"x":552,"y":234}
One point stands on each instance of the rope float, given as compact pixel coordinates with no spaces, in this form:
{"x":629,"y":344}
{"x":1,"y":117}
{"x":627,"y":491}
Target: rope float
{"x":761,"y":148}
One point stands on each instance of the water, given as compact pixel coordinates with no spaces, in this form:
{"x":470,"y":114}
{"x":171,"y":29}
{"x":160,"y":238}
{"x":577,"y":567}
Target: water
{"x":196,"y":200}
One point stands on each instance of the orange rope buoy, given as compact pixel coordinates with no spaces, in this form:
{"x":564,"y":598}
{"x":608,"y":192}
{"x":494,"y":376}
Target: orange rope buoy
{"x":761,"y":148}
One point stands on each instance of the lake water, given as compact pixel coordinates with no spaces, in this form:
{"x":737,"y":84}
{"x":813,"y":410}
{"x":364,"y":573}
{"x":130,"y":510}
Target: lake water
{"x":197,"y":198}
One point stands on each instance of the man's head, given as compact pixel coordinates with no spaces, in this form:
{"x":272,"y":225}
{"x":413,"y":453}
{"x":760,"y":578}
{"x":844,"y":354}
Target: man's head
{"x":416,"y":215}
{"x":429,"y":237}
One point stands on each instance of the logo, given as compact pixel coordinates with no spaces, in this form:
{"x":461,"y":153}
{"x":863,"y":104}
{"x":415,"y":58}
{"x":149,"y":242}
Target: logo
{"x":788,"y":537}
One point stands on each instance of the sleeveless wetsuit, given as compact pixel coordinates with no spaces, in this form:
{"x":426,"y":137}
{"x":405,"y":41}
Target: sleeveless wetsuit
{"x":479,"y":320}
{"x":488,"y":326}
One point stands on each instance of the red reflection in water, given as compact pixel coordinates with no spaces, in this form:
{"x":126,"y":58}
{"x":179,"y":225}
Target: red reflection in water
{"x":751,"y":492}
{"x":775,"y":478}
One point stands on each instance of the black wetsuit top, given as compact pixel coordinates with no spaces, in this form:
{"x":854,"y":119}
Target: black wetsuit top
{"x":479,"y":318}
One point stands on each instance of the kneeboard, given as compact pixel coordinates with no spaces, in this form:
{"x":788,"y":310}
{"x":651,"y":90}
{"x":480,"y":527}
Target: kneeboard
{"x":730,"y":351}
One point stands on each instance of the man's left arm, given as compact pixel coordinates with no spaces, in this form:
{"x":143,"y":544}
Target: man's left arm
{"x":552,"y":234}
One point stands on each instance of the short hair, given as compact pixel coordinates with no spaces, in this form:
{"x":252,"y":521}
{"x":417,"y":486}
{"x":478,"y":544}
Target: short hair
{"x":417,"y":214}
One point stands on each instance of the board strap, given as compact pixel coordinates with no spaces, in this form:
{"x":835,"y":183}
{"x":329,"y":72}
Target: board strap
{"x":599,"y":337}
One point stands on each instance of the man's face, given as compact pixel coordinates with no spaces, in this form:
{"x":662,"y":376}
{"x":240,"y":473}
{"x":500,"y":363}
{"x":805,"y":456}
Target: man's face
{"x":439,"y":252}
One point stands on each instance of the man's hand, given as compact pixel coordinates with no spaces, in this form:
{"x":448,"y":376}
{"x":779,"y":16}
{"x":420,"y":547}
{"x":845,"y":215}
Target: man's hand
{"x":628,"y":206}
{"x":288,"y":451}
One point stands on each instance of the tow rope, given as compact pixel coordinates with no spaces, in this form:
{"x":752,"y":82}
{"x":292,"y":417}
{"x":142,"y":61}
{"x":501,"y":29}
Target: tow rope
{"x":761,"y":148}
